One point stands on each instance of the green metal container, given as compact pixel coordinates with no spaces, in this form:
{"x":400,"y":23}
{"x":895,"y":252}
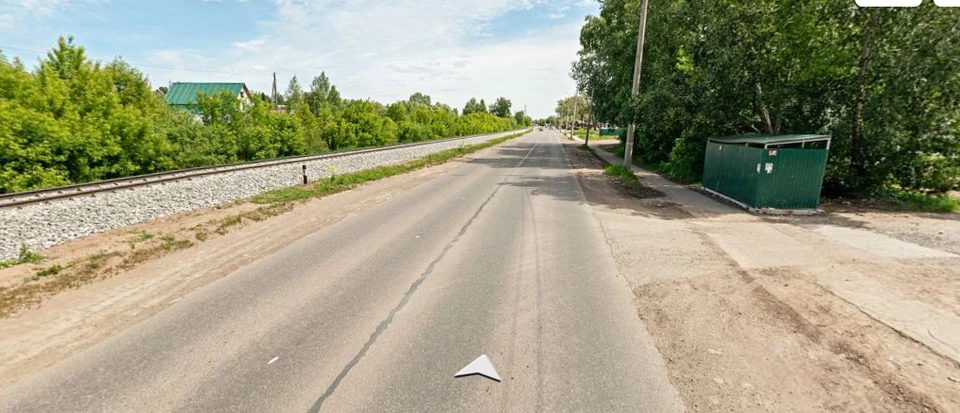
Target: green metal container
{"x":610,"y":132}
{"x":764,"y":171}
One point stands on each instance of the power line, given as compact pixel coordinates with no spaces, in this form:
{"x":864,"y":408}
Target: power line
{"x":39,"y":53}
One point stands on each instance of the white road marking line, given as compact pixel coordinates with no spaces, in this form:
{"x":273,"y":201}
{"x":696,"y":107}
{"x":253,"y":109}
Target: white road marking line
{"x":272,"y":360}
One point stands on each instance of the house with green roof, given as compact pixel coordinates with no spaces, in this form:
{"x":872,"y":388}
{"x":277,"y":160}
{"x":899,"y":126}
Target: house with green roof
{"x":183,"y":95}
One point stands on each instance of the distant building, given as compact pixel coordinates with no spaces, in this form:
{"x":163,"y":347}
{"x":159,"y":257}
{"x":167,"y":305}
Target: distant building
{"x":183,"y":95}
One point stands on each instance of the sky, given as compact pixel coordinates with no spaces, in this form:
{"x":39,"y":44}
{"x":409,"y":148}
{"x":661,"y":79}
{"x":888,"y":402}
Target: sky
{"x":384,"y":50}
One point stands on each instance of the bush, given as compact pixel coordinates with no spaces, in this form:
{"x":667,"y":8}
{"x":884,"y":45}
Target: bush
{"x":780,"y":67}
{"x":73,"y":120}
{"x":621,"y":172}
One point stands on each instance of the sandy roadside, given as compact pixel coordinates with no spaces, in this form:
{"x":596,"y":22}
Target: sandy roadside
{"x":849,"y":312}
{"x":114,"y":299}
{"x":751,"y":314}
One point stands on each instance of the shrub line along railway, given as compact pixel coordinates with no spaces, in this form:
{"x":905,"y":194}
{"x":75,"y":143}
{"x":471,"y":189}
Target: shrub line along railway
{"x":75,"y":190}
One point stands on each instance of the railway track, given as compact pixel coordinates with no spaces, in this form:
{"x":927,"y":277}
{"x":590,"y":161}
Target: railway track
{"x":69,"y":191}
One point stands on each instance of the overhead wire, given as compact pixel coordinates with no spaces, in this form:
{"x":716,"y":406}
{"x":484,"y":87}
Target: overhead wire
{"x":40,"y":53}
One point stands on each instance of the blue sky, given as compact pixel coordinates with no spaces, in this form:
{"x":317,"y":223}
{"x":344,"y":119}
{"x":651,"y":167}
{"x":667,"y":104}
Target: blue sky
{"x":385,"y":50}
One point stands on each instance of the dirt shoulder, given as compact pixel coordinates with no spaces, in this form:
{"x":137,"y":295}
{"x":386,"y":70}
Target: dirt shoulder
{"x":120,"y":277}
{"x":838,"y":313}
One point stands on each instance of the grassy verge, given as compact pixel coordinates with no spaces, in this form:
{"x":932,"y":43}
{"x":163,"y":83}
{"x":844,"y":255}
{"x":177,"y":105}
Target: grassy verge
{"x":658,"y":168}
{"x":621,"y":172}
{"x":594,"y":135}
{"x":908,"y":201}
{"x":920,"y":202}
{"x":340,"y":183}
{"x":52,"y":280}
{"x":25,"y":257}
{"x":624,"y":175}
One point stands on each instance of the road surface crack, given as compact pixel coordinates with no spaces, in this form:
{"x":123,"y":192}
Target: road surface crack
{"x":406,"y":298}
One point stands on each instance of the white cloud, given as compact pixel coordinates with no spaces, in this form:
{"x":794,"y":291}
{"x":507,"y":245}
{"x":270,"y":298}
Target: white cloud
{"x":173,"y":65}
{"x":251,"y":45}
{"x":379,"y":49}
{"x":6,"y":20}
{"x":21,"y":14}
{"x":389,"y":50}
{"x":42,"y":7}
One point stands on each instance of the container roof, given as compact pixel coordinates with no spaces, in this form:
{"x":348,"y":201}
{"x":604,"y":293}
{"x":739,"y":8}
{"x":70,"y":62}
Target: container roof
{"x":182,"y":93}
{"x":770,"y":139}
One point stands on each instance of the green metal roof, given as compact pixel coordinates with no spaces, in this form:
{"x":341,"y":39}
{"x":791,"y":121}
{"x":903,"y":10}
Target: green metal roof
{"x":770,"y":139}
{"x":182,"y":93}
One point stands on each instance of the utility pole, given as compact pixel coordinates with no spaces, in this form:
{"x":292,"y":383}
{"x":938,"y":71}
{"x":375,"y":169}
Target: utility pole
{"x":632,"y":129}
{"x":589,"y":126}
{"x":573,"y":124}
{"x":273,"y":92}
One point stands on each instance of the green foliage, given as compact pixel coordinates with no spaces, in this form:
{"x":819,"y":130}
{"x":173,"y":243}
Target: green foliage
{"x":73,"y":120}
{"x":140,"y":237}
{"x":24,"y":257}
{"x":917,"y":201}
{"x":420,"y":99}
{"x":878,"y":80}
{"x":501,"y":107}
{"x":322,"y":95}
{"x":340,"y":183}
{"x":397,"y":111}
{"x":549,"y":120}
{"x":53,"y":270}
{"x":521,"y":119}
{"x":567,"y":106}
{"x":472,"y":106}
{"x":621,"y":172}
{"x":294,"y":93}
{"x":481,"y":122}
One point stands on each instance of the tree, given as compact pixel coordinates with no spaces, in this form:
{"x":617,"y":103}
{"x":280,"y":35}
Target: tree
{"x":73,"y":120}
{"x":397,"y":111}
{"x":294,"y":93}
{"x":472,"y":106}
{"x":567,"y":106}
{"x":420,"y":98}
{"x":323,"y":94}
{"x":873,"y":79}
{"x":522,"y":119}
{"x":333,"y":98}
{"x":482,"y":107}
{"x":501,"y":107}
{"x":67,"y":60}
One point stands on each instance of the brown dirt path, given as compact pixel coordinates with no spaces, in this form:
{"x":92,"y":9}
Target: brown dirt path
{"x":754,"y":314}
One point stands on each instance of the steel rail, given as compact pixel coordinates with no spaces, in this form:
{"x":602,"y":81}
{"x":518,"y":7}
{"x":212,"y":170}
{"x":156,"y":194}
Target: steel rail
{"x":70,"y":191}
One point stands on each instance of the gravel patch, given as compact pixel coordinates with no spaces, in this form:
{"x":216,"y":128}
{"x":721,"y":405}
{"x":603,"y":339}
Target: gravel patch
{"x":43,"y":225}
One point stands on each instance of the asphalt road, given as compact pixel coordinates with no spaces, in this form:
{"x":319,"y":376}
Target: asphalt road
{"x":502,"y":256}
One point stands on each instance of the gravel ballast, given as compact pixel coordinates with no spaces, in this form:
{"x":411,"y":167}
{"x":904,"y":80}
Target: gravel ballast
{"x":45,"y":224}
